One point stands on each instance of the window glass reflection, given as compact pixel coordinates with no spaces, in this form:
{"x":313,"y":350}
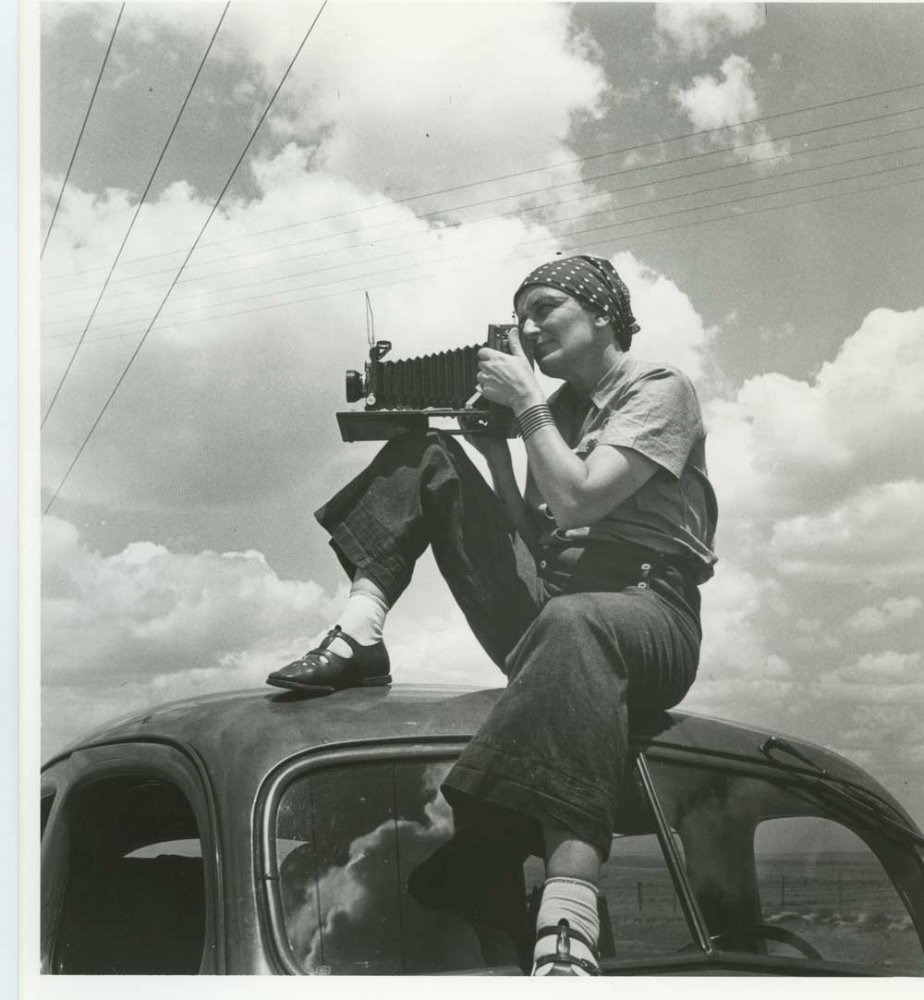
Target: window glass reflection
{"x":348,"y":838}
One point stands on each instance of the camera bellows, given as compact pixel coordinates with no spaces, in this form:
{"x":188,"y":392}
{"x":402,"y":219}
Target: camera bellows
{"x":444,"y":379}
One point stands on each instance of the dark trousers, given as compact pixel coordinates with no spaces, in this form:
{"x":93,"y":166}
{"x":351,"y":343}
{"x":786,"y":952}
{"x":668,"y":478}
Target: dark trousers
{"x":581,"y":634}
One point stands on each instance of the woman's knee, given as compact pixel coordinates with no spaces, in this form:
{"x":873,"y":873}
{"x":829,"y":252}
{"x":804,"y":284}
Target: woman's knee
{"x":564,"y":638}
{"x":434,"y":449}
{"x":567,"y":615}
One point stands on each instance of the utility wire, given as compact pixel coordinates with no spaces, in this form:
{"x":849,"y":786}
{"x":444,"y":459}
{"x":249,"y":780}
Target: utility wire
{"x":221,"y":194}
{"x":707,"y":189}
{"x":592,"y":194}
{"x":772,"y":208}
{"x":532,"y":254}
{"x":131,"y":224}
{"x":558,"y":239}
{"x":86,"y":118}
{"x":516,"y":212}
{"x":612,"y":152}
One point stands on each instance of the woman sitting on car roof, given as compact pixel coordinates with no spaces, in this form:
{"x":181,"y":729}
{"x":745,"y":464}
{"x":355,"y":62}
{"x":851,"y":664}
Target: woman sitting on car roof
{"x":584,"y":591}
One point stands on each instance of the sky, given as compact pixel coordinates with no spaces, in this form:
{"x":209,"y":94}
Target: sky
{"x":431,"y":155}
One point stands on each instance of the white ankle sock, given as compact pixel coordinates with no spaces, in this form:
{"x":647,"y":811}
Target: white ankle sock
{"x":363,"y":619}
{"x":573,"y":900}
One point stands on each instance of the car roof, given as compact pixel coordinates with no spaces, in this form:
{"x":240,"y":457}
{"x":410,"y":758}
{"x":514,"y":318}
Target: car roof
{"x":254,"y":730}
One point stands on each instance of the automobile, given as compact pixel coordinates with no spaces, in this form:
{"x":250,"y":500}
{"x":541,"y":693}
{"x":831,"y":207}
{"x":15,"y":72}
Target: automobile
{"x":258,"y":832}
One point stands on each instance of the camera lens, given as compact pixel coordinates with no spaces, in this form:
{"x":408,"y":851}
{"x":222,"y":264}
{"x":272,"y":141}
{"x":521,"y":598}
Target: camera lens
{"x":355,"y":390}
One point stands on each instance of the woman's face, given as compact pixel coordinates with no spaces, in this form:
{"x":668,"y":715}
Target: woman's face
{"x":565,"y":335}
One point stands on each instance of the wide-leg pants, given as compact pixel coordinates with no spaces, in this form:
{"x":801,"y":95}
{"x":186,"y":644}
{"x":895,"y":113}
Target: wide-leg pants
{"x":581,"y":640}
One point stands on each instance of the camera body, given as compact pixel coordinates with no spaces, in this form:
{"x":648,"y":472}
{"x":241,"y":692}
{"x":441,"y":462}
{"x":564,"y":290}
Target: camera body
{"x":401,"y":396}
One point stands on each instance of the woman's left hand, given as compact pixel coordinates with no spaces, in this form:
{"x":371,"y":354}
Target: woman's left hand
{"x":508,"y":379}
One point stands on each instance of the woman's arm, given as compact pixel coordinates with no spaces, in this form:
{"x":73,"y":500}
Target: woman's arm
{"x":578,"y":491}
{"x":581,"y":491}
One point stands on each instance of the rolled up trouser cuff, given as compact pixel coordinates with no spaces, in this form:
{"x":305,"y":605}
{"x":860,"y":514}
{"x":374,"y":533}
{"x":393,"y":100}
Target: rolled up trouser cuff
{"x":390,"y":571}
{"x":528,"y":788}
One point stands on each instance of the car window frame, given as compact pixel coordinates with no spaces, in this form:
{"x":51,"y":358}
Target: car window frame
{"x":275,"y":785}
{"x":762,"y":769}
{"x":159,"y":759}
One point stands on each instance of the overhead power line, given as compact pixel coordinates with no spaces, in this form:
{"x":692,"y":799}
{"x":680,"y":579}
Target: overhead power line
{"x":592,"y":194}
{"x":131,"y":224}
{"x":221,"y":194}
{"x":705,"y":189}
{"x":548,"y":167}
{"x":420,"y":238}
{"x":555,"y":239}
{"x":532,"y":254}
{"x":86,"y":118}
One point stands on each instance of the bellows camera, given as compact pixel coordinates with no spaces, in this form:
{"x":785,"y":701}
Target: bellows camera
{"x":401,"y":396}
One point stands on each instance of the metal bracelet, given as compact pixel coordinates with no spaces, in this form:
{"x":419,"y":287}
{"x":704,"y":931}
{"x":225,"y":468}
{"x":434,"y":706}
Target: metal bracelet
{"x":529,"y":421}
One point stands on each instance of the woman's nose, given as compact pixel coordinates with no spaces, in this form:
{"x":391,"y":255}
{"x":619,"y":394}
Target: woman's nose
{"x":529,"y":327}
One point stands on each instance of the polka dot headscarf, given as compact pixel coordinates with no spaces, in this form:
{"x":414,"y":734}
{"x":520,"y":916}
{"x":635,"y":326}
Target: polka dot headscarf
{"x":593,"y":281}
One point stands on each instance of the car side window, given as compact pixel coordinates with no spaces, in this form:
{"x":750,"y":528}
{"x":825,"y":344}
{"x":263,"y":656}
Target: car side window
{"x":820,"y":881}
{"x":346,"y":841}
{"x":134,"y":894}
{"x":348,"y":837}
{"x":780,"y":870}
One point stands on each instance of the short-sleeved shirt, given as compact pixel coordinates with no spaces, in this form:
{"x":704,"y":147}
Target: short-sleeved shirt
{"x":652,"y":409}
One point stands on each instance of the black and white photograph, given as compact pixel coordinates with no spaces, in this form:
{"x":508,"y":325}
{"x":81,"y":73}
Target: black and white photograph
{"x":473,"y":490}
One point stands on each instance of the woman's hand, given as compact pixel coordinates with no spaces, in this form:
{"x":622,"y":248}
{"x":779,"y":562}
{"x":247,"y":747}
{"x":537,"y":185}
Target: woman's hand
{"x":508,"y":379}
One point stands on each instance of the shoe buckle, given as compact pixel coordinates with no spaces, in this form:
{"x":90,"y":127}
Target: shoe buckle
{"x":563,"y":944}
{"x":329,"y":638}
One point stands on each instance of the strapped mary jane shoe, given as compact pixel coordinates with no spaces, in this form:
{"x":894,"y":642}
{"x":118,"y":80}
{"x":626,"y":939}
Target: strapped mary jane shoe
{"x":562,"y":961}
{"x":321,"y":671}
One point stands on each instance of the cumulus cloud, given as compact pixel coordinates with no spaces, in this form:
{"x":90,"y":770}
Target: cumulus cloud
{"x":428,"y":137}
{"x":375,"y":123}
{"x":892,"y":611}
{"x":884,"y":678}
{"x":873,"y":535}
{"x":785,"y":446}
{"x":671,"y":328}
{"x":695,"y":28}
{"x":740,"y":675}
{"x":147,"y":624}
{"x":713,"y":103}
